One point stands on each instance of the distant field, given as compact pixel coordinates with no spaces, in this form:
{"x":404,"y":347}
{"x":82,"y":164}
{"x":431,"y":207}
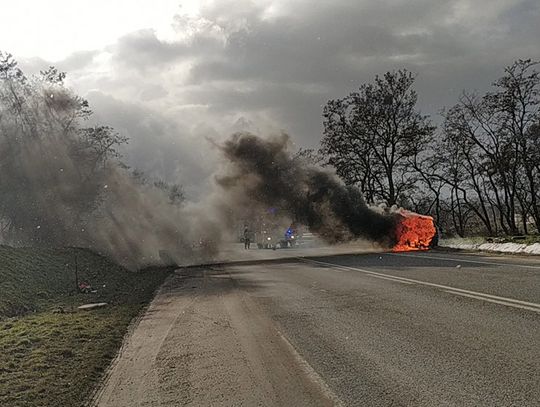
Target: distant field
{"x":50,"y":353}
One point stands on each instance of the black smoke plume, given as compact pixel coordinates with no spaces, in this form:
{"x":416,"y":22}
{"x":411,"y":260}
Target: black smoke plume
{"x":264,"y":173}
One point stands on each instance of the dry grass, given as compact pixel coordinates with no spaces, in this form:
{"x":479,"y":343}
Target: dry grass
{"x":50,"y":354}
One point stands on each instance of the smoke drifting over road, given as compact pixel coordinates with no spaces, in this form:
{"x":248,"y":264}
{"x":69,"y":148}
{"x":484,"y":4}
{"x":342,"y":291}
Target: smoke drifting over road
{"x":263,"y":172}
{"x":63,"y":184}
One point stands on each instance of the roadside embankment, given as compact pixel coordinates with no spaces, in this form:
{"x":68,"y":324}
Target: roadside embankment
{"x":482,"y":245}
{"x":52,"y":353}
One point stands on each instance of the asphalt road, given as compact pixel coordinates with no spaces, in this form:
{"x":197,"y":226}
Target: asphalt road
{"x":411,"y":329}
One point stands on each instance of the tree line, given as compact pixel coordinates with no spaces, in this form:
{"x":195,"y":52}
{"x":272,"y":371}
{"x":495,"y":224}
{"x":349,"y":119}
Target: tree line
{"x":478,"y":172}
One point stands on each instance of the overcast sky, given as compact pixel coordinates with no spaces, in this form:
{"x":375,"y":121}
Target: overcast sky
{"x":170,"y":73}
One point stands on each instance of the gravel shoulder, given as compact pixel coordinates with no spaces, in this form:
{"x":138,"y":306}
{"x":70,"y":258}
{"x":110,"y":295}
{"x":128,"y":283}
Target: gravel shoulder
{"x":202,"y":342}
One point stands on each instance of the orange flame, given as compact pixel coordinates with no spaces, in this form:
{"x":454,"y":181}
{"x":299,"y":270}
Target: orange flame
{"x":414,"y":232}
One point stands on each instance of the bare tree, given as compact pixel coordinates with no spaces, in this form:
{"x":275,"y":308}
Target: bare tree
{"x":494,"y":136}
{"x":518,"y":101}
{"x":371,"y":135}
{"x":308,"y":156}
{"x":174,"y":192}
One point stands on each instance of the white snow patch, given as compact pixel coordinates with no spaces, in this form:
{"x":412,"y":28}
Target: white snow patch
{"x":503,"y":247}
{"x":474,"y":244}
{"x":533,"y":249}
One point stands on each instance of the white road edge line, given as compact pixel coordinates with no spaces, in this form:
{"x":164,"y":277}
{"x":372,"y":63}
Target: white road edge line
{"x":312,"y":373}
{"x":391,"y":279}
{"x":443,"y":287}
{"x":508,"y":304}
{"x":465,"y":260}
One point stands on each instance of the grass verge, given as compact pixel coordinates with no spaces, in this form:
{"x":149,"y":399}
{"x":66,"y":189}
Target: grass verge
{"x":50,"y":353}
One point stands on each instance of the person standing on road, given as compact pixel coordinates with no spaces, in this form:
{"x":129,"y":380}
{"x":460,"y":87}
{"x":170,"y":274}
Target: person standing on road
{"x":247,"y":240}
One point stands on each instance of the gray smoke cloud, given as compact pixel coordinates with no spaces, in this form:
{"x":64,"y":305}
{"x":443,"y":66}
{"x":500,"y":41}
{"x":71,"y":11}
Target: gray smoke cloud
{"x":64,"y":184}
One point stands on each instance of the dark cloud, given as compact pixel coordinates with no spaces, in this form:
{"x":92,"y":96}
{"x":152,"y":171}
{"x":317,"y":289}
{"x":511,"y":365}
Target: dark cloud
{"x":274,"y":64}
{"x":291,"y":63}
{"x":74,"y":62}
{"x":152,"y":92}
{"x":77,"y":60}
{"x":142,"y":49}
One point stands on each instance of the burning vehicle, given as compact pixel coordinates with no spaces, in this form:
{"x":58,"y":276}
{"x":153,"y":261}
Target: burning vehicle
{"x":415,"y":232}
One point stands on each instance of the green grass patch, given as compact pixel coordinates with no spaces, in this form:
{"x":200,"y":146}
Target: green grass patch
{"x":51,"y":354}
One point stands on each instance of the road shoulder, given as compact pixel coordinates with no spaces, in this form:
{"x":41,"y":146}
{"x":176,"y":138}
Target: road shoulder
{"x":204,"y":341}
